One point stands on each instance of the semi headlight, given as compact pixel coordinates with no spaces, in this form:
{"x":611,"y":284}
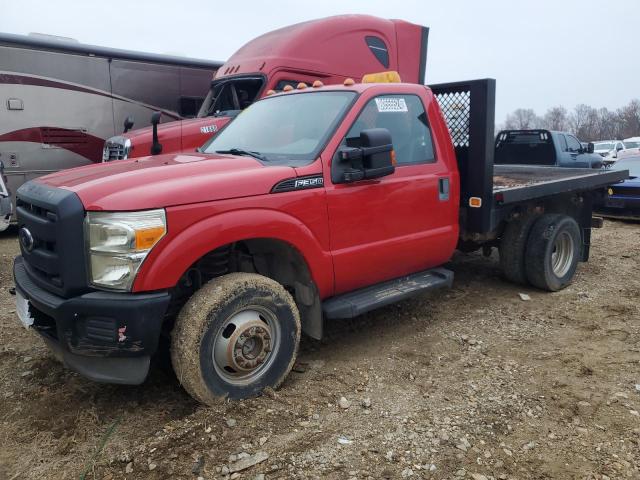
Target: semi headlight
{"x":118,"y":243}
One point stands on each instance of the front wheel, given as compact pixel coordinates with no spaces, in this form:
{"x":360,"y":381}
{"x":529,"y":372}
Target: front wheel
{"x":553,"y":249}
{"x":234,"y":337}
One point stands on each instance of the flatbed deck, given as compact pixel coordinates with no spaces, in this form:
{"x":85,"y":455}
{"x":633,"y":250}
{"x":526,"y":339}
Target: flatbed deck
{"x":517,"y":183}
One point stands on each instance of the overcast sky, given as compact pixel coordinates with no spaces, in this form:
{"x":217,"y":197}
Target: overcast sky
{"x":542,"y":53}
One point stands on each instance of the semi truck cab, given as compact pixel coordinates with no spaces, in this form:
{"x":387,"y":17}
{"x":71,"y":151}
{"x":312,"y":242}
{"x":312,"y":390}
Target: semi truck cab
{"x":329,"y":49}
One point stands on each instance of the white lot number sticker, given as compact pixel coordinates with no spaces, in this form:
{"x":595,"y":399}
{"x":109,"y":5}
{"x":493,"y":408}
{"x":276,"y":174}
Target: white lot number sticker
{"x":22,"y":309}
{"x":391,"y":104}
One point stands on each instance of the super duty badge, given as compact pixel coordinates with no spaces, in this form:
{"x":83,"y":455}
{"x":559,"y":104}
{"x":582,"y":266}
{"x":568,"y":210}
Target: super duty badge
{"x":302,"y":183}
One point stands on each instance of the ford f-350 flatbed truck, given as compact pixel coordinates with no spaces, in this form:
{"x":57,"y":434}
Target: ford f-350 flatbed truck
{"x":313,"y":205}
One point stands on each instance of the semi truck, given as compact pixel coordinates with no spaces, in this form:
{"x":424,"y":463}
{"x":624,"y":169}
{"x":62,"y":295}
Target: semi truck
{"x":327,"y":49}
{"x":62,"y":99}
{"x":314,"y":205}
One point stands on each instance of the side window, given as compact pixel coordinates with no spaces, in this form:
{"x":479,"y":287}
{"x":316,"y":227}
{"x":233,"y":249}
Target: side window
{"x":283,"y":83}
{"x":404,"y":116}
{"x":573,"y":143}
{"x":563,"y":143}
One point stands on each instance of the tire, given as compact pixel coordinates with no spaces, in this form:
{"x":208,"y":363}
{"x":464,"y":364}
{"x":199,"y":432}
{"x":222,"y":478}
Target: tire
{"x":512,"y":248}
{"x":235,"y":336}
{"x":553,"y":249}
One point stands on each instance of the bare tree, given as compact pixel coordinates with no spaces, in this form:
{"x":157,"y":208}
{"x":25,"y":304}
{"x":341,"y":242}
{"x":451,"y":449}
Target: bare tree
{"x":522,"y":119}
{"x":586,"y":122}
{"x":630,"y":119}
{"x":556,"y":118}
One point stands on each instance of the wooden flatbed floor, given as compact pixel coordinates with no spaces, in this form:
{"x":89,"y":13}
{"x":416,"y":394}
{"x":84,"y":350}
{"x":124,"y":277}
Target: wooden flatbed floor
{"x":526,"y":182}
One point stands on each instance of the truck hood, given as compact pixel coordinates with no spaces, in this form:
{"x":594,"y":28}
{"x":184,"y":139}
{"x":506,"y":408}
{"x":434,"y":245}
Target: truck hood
{"x":175,"y":136}
{"x":168,"y":180}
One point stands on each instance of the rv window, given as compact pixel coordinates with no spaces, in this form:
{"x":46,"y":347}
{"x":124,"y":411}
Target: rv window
{"x":189,"y":106}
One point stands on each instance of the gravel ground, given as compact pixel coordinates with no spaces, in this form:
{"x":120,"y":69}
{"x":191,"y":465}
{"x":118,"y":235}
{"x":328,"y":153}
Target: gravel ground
{"x":472,"y":383}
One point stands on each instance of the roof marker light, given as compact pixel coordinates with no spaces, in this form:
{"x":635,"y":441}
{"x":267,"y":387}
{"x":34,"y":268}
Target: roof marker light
{"x":317,"y":84}
{"x":348,"y":82}
{"x":270,"y":92}
{"x":301,"y":86}
{"x":287,"y":88}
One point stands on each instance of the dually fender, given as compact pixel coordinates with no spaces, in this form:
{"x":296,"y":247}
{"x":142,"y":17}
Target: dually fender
{"x":175,"y":253}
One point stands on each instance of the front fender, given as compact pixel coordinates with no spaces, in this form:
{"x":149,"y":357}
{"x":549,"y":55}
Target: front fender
{"x":176,"y":252}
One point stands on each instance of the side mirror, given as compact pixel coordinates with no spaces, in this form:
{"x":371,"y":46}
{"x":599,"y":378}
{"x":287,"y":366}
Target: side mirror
{"x":128,"y":124}
{"x":590,"y":147}
{"x":156,"y":147}
{"x":373,"y":159}
{"x":619,"y":148}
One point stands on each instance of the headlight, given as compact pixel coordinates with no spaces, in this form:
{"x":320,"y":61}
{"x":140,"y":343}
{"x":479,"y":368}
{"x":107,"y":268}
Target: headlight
{"x":118,"y":243}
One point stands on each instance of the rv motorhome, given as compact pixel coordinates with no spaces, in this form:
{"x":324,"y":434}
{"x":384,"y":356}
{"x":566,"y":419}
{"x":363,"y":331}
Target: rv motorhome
{"x":61,"y":99}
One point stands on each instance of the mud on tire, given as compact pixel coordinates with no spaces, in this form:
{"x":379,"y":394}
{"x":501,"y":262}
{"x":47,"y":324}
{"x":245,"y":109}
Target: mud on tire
{"x":235,"y":336}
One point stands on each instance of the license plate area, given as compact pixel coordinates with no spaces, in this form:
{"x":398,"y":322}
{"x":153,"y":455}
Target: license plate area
{"x":614,"y":203}
{"x":22,"y":309}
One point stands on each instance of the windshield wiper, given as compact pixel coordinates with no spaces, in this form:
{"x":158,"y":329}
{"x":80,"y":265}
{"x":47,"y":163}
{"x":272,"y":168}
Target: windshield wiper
{"x":240,"y":151}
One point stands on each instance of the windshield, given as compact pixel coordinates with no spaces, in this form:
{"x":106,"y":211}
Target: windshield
{"x":631,"y":144}
{"x":603,"y":146}
{"x":289,"y":129}
{"x":633,"y":165}
{"x":230,"y":95}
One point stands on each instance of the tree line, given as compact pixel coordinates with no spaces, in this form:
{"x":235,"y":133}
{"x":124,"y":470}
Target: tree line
{"x":587,"y":123}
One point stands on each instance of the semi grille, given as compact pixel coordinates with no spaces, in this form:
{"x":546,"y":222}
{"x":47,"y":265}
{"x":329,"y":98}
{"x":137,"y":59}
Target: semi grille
{"x":115,"y":148}
{"x":50,"y":222}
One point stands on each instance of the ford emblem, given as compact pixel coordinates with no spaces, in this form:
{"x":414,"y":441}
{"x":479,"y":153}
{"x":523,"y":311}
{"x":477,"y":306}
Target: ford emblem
{"x":26,"y":239}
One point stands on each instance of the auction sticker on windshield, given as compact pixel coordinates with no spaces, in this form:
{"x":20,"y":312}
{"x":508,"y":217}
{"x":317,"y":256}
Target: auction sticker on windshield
{"x":22,"y":309}
{"x":391,"y":104}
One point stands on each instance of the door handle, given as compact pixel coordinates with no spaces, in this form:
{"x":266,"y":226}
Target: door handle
{"x":443,"y":189}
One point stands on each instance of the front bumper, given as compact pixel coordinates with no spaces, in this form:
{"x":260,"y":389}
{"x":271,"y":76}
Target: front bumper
{"x":619,"y":206}
{"x":106,"y":337}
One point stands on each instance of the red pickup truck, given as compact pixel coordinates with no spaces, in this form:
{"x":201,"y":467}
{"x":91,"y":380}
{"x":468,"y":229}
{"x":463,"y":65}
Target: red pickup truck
{"x":313,"y":205}
{"x":328,"y":49}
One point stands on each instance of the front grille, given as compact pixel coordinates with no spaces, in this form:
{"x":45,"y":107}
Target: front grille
{"x":43,"y":256}
{"x":50,"y":223}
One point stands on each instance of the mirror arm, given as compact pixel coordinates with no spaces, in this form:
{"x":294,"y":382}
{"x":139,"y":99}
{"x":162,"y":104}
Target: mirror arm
{"x":366,"y":151}
{"x":353,"y":175}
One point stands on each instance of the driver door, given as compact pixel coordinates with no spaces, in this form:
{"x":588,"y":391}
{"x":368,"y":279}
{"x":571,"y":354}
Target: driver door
{"x":402,"y":223}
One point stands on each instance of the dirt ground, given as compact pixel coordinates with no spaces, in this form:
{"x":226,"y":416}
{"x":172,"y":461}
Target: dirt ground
{"x":473,"y":383}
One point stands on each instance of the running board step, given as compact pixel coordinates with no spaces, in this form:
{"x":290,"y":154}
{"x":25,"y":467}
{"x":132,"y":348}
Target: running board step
{"x":352,"y":304}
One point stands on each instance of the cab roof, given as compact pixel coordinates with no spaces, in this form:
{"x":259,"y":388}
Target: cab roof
{"x":319,"y":46}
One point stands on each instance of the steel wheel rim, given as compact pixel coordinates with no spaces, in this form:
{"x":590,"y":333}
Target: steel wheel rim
{"x":246,"y":344}
{"x":562,"y":255}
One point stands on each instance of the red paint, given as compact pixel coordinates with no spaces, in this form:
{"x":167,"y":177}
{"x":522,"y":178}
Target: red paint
{"x":181,"y":136}
{"x":330,"y":49}
{"x":350,"y":235}
{"x":81,"y":143}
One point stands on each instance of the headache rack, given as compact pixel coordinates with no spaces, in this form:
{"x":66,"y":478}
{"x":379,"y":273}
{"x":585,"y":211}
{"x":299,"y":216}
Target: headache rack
{"x":469,"y":110}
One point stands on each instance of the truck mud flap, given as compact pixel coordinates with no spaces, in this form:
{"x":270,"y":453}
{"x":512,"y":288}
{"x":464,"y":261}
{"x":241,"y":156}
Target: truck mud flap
{"x":356,"y":303}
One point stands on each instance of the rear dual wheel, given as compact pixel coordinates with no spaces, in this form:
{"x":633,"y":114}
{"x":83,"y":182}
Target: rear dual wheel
{"x":553,"y":249}
{"x":541,"y":250}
